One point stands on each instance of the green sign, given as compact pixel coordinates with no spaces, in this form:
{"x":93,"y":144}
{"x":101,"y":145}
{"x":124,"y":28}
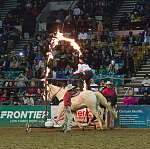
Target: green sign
{"x":20,"y":115}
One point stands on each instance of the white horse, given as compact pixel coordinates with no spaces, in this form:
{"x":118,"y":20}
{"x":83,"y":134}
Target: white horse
{"x":85,"y":99}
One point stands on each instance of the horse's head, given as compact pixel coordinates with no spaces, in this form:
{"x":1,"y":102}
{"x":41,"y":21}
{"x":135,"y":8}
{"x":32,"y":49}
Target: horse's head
{"x":55,"y":91}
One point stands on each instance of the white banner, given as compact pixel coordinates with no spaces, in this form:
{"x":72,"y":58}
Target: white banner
{"x":81,"y":115}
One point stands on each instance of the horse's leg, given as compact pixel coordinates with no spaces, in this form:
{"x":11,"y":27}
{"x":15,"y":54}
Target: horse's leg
{"x":75,"y":119}
{"x":95,"y":112}
{"x":101,"y":110}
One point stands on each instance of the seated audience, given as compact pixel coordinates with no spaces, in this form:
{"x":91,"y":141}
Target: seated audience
{"x":92,"y":83}
{"x":113,"y":68}
{"x":5,"y":97}
{"x":39,"y":97}
{"x":28,"y":101}
{"x":14,"y":63}
{"x":21,"y":80}
{"x":130,"y":100}
{"x":5,"y":64}
{"x":145,"y":100}
{"x":28,"y":73}
{"x":33,"y":89}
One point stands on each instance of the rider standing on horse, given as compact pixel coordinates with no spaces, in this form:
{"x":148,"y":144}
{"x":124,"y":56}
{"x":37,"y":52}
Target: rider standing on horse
{"x":85,"y":73}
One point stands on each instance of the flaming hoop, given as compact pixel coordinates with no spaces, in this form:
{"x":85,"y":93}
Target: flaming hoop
{"x":54,"y":42}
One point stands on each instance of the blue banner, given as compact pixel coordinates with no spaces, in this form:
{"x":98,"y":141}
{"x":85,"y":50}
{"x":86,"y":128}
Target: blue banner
{"x":133,"y":117}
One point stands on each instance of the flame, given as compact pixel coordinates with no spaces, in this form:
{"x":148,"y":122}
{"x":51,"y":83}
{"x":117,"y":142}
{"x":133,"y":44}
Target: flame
{"x":84,"y":86}
{"x":54,"y":42}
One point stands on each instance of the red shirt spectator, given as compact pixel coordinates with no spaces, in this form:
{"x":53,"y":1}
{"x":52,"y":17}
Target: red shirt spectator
{"x":109,"y":91}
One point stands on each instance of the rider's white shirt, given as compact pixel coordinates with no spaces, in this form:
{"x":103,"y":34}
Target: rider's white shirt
{"x":83,"y":67}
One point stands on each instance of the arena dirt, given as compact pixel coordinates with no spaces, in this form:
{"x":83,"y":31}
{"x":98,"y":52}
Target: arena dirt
{"x":18,"y":138}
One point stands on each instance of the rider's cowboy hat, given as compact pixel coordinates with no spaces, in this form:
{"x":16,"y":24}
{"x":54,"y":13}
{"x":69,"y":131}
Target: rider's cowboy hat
{"x":69,"y":87}
{"x":109,"y":83}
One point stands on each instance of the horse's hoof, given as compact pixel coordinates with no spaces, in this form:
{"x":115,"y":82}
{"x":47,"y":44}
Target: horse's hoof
{"x":100,"y":129}
{"x":82,"y":128}
{"x":89,"y":123}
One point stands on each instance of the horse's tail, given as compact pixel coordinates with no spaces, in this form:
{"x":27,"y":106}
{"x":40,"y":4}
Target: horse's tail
{"x":104,"y":102}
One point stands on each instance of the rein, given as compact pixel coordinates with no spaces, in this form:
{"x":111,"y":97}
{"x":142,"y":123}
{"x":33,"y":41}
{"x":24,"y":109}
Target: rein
{"x":53,"y":96}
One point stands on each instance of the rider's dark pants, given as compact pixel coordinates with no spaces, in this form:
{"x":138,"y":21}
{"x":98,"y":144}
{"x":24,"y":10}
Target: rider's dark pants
{"x":88,"y":74}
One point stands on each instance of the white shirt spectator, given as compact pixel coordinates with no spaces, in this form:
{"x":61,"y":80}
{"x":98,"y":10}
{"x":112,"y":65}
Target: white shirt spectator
{"x":146,"y":82}
{"x":41,"y":64}
{"x":94,"y":89}
{"x":82,"y":36}
{"x":76,"y":11}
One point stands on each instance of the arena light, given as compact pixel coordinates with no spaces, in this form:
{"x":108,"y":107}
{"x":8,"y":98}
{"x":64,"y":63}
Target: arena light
{"x":20,"y":53}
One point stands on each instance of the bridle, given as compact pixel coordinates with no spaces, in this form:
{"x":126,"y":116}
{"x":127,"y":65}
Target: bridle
{"x":53,"y":96}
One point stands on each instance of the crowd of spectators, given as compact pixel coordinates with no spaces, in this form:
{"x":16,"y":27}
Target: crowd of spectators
{"x":18,"y":21}
{"x":139,"y":18}
{"x":31,"y":62}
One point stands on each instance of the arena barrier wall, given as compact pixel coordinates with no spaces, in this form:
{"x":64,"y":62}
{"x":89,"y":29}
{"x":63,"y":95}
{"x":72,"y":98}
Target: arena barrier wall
{"x":133,"y":116}
{"x":127,"y":116}
{"x":20,"y":115}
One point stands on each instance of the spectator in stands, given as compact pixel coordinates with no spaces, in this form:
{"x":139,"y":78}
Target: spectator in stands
{"x":21,"y":80}
{"x":140,"y":39}
{"x":102,"y":70}
{"x":60,"y":75}
{"x":34,"y":65}
{"x":100,"y":29}
{"x":128,"y":67}
{"x":12,"y":89}
{"x":107,"y":60}
{"x":33,"y":89}
{"x":5,"y":64}
{"x":123,"y":54}
{"x":2,"y":80}
{"x":24,"y":63}
{"x":68,"y":70}
{"x":145,"y":84}
{"x":130,"y":100}
{"x":96,"y":61}
{"x":39,"y":97}
{"x":15,"y":100}
{"x":39,"y":55}
{"x":37,"y":72}
{"x":76,"y":11}
{"x":111,"y":52}
{"x":82,"y":36}
{"x":42,"y":62}
{"x":113,"y":68}
{"x":5,"y":97}
{"x":146,"y":81}
{"x":14,"y":63}
{"x":116,"y":58}
{"x":130,"y":39}
{"x":9,"y":78}
{"x":28,"y":73}
{"x":92,"y":83}
{"x":102,"y":84}
{"x":111,"y":35}
{"x":145,"y":100}
{"x":28,"y":101}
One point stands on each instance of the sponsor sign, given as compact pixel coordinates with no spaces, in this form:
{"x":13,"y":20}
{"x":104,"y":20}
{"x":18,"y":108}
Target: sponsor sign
{"x":20,"y":115}
{"x":133,"y":116}
{"x":81,"y":115}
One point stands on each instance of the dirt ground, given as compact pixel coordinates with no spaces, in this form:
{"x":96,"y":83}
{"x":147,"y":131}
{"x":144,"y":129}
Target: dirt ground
{"x":44,"y":138}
